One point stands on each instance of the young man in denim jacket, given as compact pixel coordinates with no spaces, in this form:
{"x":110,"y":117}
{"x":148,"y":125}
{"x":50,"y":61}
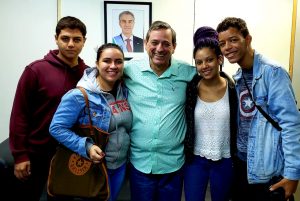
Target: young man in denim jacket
{"x":263,"y":151}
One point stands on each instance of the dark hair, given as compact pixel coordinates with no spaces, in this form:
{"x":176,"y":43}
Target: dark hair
{"x":126,"y":12}
{"x":71,"y":23}
{"x":233,"y":22}
{"x":161,"y":25}
{"x":206,"y":37}
{"x":106,"y":46}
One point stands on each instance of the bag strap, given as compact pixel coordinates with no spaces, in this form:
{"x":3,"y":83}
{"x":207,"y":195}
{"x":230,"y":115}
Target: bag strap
{"x":88,"y":108}
{"x":274,"y":123}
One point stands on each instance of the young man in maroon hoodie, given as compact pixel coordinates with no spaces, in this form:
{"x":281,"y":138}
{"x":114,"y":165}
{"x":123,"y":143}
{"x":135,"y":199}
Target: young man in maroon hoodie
{"x":38,"y":94}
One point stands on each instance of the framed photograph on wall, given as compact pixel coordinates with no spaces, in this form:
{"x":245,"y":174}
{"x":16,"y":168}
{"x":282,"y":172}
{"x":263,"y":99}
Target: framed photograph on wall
{"x":126,"y":24}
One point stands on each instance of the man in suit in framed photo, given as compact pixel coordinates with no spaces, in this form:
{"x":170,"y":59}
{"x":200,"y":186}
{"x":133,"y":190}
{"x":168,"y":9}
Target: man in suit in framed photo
{"x":126,"y":40}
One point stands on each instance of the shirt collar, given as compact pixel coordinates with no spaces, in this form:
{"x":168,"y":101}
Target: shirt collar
{"x":124,"y":37}
{"x":172,"y":70}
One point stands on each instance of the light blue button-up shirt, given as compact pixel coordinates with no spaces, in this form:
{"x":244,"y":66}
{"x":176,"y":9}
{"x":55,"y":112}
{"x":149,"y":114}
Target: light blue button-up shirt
{"x":157,"y":104}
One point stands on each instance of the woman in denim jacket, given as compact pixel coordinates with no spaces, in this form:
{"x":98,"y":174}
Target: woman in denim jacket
{"x":264,"y":152}
{"x":109,"y":110}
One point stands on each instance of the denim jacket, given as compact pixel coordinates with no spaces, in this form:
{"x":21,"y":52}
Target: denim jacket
{"x":272,"y":152}
{"x":72,"y":111}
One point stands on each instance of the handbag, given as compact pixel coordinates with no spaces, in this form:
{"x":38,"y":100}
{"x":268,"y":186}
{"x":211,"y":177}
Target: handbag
{"x":72,"y":175}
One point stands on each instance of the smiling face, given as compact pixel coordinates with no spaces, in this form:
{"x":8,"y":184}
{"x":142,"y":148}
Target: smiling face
{"x":70,"y":43}
{"x":233,"y":45}
{"x":160,"y":48}
{"x":110,"y":65}
{"x":208,"y":63}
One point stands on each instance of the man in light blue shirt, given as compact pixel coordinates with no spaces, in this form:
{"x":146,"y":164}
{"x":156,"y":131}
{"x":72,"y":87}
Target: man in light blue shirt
{"x":157,"y":85}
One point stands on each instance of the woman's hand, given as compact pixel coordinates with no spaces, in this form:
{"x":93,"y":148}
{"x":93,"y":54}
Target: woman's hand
{"x":96,"y":154}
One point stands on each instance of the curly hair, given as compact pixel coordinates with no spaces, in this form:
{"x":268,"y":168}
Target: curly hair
{"x":233,"y":22}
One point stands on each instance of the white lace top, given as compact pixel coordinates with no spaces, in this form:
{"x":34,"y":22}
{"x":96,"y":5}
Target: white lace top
{"x":212,"y":128}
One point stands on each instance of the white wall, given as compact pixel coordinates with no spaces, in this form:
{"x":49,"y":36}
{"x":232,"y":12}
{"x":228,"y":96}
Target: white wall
{"x":91,"y":13}
{"x":270,"y":30}
{"x":28,"y":31}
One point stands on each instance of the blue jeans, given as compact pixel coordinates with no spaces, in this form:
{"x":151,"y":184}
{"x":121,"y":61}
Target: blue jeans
{"x":116,"y":178}
{"x":155,"y":187}
{"x":199,"y":170}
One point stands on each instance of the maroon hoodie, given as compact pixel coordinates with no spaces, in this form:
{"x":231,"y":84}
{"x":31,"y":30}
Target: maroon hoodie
{"x":38,"y":94}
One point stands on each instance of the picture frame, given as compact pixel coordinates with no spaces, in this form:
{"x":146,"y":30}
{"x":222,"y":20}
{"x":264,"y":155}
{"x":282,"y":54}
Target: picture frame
{"x":115,"y":28}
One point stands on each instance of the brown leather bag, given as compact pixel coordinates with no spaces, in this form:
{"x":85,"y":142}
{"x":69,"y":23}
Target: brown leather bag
{"x":72,"y":175}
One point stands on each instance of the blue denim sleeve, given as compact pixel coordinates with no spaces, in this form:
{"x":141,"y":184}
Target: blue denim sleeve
{"x":65,"y":117}
{"x":88,"y":144}
{"x":282,"y":104}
